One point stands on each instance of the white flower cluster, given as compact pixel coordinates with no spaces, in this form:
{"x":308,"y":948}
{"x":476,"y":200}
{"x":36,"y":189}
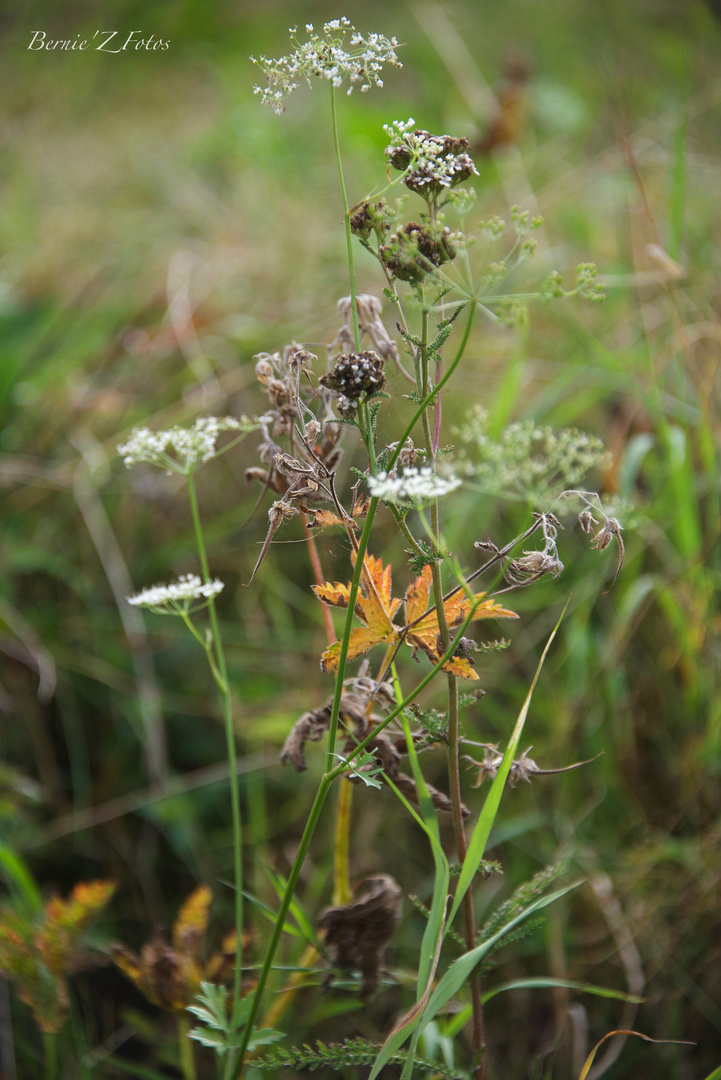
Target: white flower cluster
{"x":178,"y":594}
{"x":432,"y":159}
{"x":414,"y":486}
{"x":181,"y":450}
{"x":326,"y":56}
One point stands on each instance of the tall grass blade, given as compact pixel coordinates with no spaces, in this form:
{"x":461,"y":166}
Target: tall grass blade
{"x":482,"y":831}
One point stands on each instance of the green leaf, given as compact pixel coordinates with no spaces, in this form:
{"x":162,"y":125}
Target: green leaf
{"x":460,"y":971}
{"x":25,"y":893}
{"x":568,"y":984}
{"x":482,"y":830}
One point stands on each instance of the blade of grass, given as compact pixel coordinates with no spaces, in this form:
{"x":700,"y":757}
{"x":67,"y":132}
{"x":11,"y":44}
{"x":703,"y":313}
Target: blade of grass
{"x":566,"y":984}
{"x":20,"y":882}
{"x":458,"y":973}
{"x":609,"y":1035}
{"x":482,"y":830}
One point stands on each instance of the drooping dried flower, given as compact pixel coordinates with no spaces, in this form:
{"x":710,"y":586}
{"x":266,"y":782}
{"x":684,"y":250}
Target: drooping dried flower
{"x":358,"y":932}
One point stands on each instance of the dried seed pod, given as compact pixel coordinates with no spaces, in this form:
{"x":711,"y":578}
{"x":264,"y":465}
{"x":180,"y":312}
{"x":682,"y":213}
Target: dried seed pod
{"x":415,"y":250}
{"x":355,"y":374}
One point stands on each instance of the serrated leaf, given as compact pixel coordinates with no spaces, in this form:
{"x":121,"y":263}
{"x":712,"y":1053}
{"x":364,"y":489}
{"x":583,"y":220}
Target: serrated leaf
{"x":206,"y":1038}
{"x":425,"y":629}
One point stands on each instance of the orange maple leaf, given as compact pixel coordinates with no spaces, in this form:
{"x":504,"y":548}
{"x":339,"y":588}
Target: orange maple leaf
{"x":375,"y":607}
{"x":424,"y":629}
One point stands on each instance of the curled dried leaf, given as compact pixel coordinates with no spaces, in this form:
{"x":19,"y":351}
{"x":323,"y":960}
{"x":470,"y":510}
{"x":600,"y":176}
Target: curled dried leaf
{"x":358,"y":932}
{"x":313,"y":725}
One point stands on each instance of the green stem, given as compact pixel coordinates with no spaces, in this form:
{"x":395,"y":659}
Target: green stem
{"x":230,"y":743}
{"x":346,"y":209}
{"x":207,"y":648}
{"x":430,"y":396}
{"x":50,"y":1048}
{"x":185,"y":1048}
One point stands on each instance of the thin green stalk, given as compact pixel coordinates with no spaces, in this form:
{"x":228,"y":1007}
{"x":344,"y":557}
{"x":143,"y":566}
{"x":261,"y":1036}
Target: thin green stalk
{"x":230,"y":744}
{"x":346,"y":210}
{"x":50,"y":1049}
{"x":436,"y":389}
{"x":185,"y":1048}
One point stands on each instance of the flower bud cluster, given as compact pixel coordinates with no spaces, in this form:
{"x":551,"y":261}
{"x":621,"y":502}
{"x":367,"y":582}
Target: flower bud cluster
{"x":416,"y":250}
{"x":355,"y":374}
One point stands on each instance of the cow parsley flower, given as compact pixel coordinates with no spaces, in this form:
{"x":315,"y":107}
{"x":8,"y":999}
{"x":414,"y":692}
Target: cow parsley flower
{"x":415,"y":486}
{"x":327,"y":56}
{"x":179,"y":449}
{"x":177,"y":597}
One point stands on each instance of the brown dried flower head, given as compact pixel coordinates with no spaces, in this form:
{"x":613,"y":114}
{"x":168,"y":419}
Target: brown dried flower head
{"x":416,"y":250}
{"x":355,"y":374}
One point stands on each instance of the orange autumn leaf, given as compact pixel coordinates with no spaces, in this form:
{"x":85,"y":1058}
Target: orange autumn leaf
{"x":376,"y":607}
{"x":425,"y":630}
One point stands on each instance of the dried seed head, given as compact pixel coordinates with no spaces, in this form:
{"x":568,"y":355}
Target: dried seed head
{"x":300,"y":360}
{"x":433,"y":162}
{"x":312,"y":431}
{"x":587,"y":521}
{"x":355,"y":374}
{"x":416,"y":250}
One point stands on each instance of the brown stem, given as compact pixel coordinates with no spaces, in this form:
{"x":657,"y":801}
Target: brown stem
{"x":319,"y":578}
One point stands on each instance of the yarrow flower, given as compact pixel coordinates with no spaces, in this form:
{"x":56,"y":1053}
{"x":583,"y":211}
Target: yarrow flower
{"x":414,"y":486}
{"x":178,"y":595}
{"x":325,"y":56}
{"x":431,"y":162}
{"x":181,"y":450}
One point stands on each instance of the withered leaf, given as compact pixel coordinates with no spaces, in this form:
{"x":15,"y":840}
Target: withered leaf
{"x":313,"y":725}
{"x":425,"y":630}
{"x":358,"y":932}
{"x":165,"y":976}
{"x":374,"y":606}
{"x":324,"y":518}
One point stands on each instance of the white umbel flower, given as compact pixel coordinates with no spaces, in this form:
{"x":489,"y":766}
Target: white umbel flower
{"x":325,"y":55}
{"x":179,"y":449}
{"x":414,"y":486}
{"x":178,"y":595}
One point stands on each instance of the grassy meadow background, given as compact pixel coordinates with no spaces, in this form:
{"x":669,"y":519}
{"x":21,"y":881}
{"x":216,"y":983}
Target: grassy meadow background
{"x":157,"y":229}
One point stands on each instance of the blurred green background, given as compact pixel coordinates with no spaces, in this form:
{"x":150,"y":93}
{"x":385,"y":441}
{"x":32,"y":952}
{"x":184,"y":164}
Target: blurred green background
{"x":157,"y":228}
